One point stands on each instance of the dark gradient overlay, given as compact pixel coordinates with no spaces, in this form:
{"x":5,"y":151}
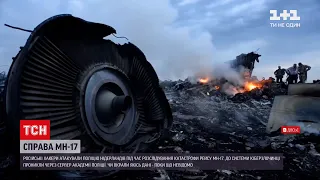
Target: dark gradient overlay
{"x":232,"y":161}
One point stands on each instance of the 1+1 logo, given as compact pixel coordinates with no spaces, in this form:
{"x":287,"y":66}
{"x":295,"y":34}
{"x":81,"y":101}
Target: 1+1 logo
{"x":292,"y":15}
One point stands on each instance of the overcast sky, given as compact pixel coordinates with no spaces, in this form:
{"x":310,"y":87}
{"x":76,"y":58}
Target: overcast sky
{"x":181,"y":37}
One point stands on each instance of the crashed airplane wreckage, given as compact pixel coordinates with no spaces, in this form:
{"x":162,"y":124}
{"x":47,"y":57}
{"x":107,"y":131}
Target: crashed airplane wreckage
{"x":301,"y":107}
{"x":105,"y":94}
{"x":243,"y":65}
{"x":246,"y":61}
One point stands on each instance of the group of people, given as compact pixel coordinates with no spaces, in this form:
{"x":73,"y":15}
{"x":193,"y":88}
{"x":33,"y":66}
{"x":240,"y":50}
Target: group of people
{"x":293,"y":73}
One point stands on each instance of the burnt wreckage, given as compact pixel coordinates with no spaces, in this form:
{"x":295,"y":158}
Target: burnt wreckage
{"x":245,"y":60}
{"x":105,"y":94}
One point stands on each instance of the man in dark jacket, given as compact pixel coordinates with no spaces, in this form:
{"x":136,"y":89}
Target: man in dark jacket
{"x":279,"y":73}
{"x":302,"y":71}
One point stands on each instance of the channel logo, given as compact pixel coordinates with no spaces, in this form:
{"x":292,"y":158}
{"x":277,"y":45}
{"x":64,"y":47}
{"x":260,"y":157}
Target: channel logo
{"x":34,"y":129}
{"x":35,"y":139}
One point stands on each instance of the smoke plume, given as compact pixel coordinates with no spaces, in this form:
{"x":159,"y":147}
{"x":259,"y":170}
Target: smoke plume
{"x":231,"y":75}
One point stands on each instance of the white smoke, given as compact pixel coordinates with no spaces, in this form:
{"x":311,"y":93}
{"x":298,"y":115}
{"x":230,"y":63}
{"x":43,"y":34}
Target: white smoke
{"x":231,"y":75}
{"x":229,"y":79}
{"x":235,"y":79}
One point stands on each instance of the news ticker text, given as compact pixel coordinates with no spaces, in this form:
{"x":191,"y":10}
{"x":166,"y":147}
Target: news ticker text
{"x":151,"y":161}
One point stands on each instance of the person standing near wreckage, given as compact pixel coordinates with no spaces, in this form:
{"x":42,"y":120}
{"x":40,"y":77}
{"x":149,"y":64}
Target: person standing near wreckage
{"x":279,"y":73}
{"x":302,"y":71}
{"x":293,"y":74}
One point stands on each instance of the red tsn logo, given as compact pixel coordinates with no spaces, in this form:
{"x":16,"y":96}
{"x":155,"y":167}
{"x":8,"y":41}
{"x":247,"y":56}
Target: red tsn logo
{"x":34,"y":129}
{"x":290,"y":129}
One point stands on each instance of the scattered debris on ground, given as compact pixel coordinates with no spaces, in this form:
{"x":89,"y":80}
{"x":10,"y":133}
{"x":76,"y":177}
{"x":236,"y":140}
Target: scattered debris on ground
{"x":206,"y":120}
{"x":209,"y":121}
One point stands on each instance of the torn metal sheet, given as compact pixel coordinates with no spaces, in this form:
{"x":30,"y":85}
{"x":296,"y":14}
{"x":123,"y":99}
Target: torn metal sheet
{"x":304,"y":89}
{"x":295,"y":110}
